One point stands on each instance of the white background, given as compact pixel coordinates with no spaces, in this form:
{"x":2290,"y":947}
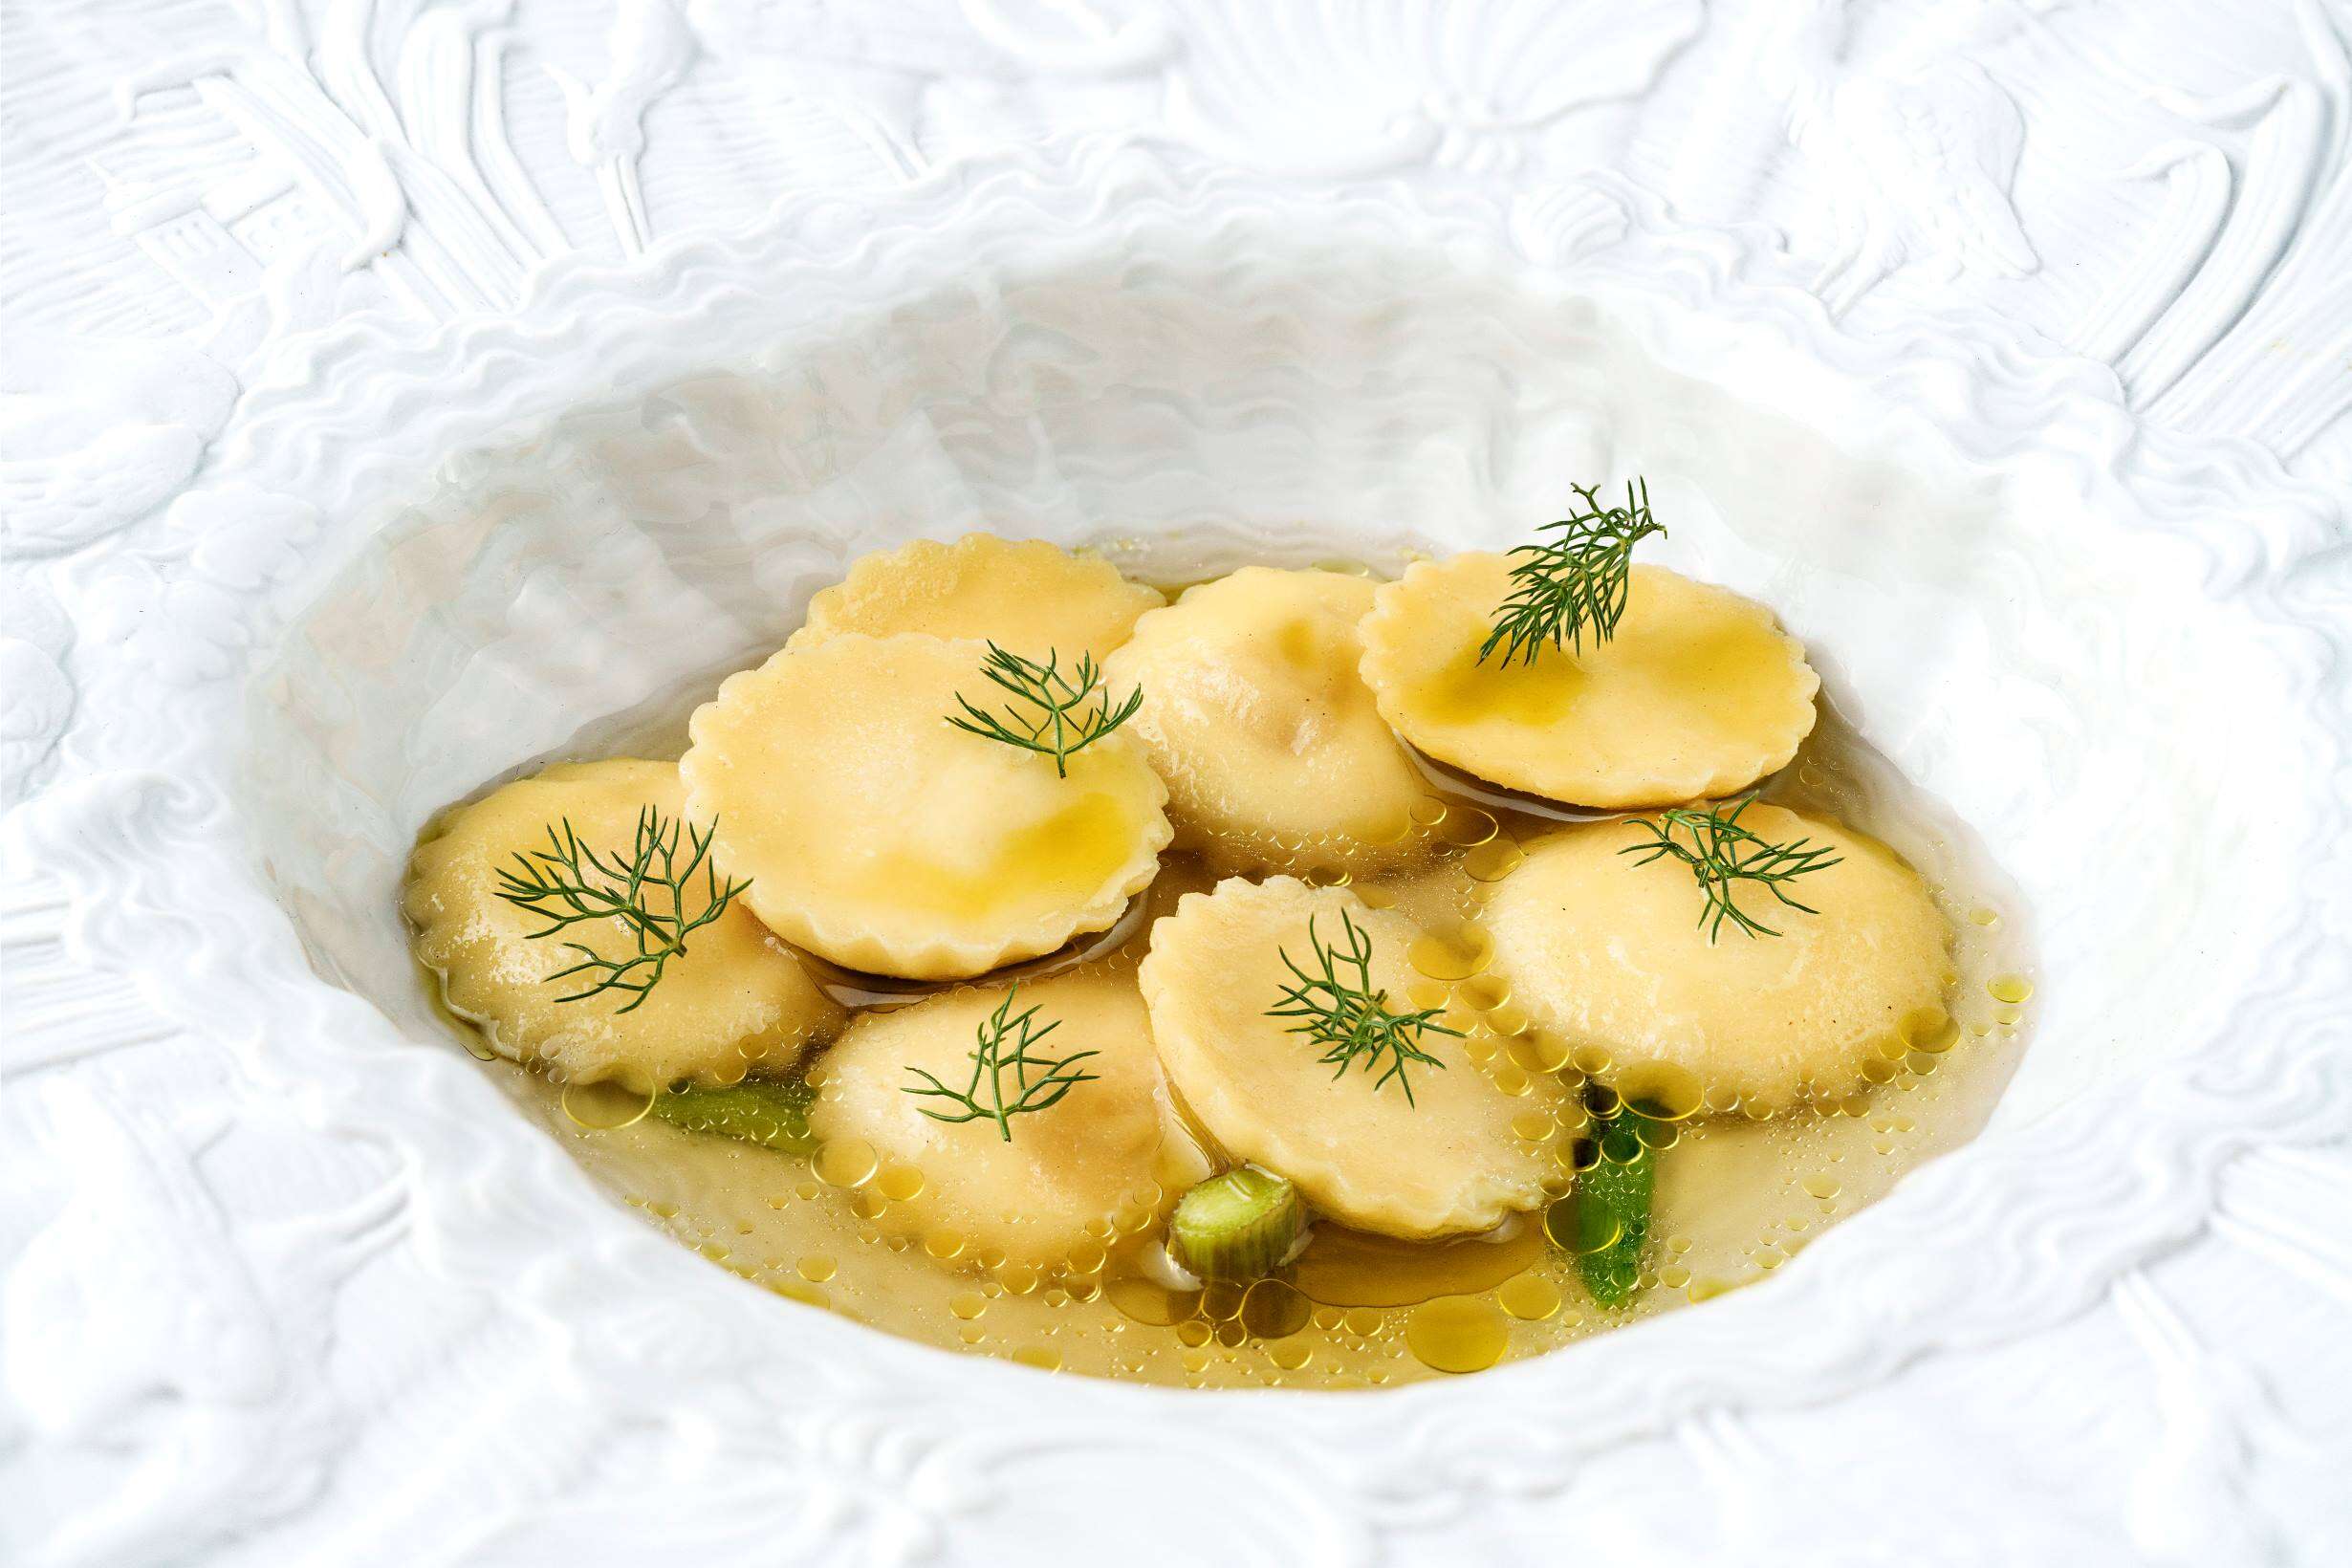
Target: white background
{"x":2162,"y":186}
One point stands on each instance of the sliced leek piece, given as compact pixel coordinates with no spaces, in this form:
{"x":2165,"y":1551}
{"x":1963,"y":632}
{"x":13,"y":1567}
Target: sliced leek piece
{"x":1238,"y":1226}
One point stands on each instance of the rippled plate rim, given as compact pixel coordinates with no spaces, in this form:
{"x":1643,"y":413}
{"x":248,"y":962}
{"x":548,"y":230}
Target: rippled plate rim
{"x":2023,"y":1229}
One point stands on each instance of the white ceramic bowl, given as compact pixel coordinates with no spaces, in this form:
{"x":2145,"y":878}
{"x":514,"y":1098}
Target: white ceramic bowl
{"x":422,"y":567}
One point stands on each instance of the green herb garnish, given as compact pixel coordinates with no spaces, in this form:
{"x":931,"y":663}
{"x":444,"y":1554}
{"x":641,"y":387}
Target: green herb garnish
{"x":568,"y":883}
{"x":1563,"y":588}
{"x":1721,"y":854}
{"x":1049,"y":712}
{"x":1339,"y":1008}
{"x":1003,"y":1047}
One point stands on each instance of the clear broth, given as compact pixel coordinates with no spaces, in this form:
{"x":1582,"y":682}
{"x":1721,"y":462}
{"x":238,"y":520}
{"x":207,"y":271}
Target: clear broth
{"x":1736,"y":1199}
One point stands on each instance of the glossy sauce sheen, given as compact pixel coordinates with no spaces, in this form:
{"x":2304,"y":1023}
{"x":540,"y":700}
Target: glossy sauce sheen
{"x":1736,"y":1199}
{"x":1037,"y":868}
{"x":1727,"y":676}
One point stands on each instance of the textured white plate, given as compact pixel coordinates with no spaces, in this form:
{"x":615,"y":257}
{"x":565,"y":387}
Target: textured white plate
{"x":424,"y":565}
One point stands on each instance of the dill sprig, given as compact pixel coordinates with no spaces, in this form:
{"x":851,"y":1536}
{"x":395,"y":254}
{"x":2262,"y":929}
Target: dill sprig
{"x":1338,"y":1008}
{"x":568,"y":883}
{"x":1002,"y":1047}
{"x":1048,"y":713}
{"x":1722,"y":853}
{"x":1563,"y":588}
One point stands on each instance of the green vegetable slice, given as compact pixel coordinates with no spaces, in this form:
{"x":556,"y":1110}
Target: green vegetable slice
{"x":772,"y":1115}
{"x":1238,"y":1226}
{"x":1612,"y":1204}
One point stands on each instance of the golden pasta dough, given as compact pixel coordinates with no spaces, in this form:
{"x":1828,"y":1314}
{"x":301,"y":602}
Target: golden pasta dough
{"x":1609,"y":955}
{"x":1025,"y":595}
{"x":882,"y":838}
{"x":1446,"y":1162}
{"x":1698,"y":694}
{"x":1066,"y":1172}
{"x":736,"y":998}
{"x":1256,"y":717}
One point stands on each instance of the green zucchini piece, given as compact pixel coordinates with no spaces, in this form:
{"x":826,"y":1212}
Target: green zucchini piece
{"x":1613,"y":1199}
{"x":774,"y":1115}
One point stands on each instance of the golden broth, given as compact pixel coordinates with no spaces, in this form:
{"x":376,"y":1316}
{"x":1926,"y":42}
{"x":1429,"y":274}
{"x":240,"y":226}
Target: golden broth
{"x":1736,"y":1199}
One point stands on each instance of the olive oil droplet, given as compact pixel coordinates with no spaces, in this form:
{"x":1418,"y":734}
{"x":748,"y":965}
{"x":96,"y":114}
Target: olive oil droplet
{"x":1662,"y":1091}
{"x":1529,"y":1297}
{"x":850,"y":1162}
{"x":1582,"y":1228}
{"x":605,"y":1107}
{"x":1457,"y":1333}
{"x":1451,"y":955}
{"x":1537,"y":1053}
{"x":1467,"y":827}
{"x":1483,"y":991}
{"x":1273,"y":1310}
{"x":1493,"y":860}
{"x":1928,"y":1029}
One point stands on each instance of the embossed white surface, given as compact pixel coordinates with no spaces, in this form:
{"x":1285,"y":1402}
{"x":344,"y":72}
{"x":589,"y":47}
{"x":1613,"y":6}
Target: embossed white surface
{"x":261,"y":1289}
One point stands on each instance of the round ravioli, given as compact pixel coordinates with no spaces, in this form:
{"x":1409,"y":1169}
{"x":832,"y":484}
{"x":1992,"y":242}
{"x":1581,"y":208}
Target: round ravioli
{"x":735,"y":998}
{"x":1256,"y":717}
{"x":1444,"y":1162}
{"x":878,"y":836}
{"x":1698,"y":695}
{"x":1025,"y":595}
{"x":1067,"y":1172}
{"x":1608,"y":950}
